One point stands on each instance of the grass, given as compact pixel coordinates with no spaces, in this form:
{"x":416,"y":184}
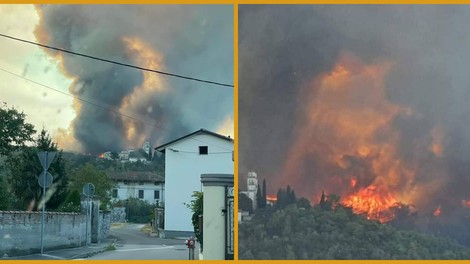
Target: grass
{"x":118,"y":225}
{"x":110,"y":247}
{"x":146,"y":229}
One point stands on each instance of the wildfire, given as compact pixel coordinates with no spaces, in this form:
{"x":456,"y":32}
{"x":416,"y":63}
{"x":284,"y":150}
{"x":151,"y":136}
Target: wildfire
{"x":348,"y":142}
{"x":151,"y":86}
{"x":438,"y":211}
{"x":466,"y":203}
{"x":373,"y":202}
{"x":271,"y":198}
{"x":353,"y":182}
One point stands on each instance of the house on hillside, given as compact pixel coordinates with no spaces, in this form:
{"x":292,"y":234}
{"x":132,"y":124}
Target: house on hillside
{"x":186,"y":158}
{"x":143,"y":185}
{"x":137,"y":156}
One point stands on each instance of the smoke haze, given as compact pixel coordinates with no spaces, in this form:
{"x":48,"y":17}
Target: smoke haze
{"x":341,"y":98}
{"x":195,"y":41}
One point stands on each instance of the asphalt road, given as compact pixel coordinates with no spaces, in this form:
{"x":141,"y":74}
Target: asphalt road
{"x":134,"y":244}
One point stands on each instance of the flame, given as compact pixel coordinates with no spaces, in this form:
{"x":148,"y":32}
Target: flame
{"x":373,"y":202}
{"x":437,"y":212}
{"x":465,"y":203}
{"x":271,"y":198}
{"x":353,"y":182}
{"x":437,"y":139}
{"x":346,"y":128}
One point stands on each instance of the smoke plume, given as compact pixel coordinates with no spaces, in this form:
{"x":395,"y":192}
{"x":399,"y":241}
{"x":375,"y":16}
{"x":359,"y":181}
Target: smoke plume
{"x":195,"y":41}
{"x":358,"y":101}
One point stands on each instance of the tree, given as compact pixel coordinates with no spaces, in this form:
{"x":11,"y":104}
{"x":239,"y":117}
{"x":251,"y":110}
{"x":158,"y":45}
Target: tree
{"x":259,"y":198}
{"x":323,"y":203}
{"x":72,"y":203}
{"x":90,"y":174}
{"x":303,"y":203}
{"x":137,"y":210}
{"x":263,"y":201}
{"x":196,"y":206}
{"x":24,"y":168}
{"x":245,"y":203}
{"x":5,"y":199}
{"x":14,"y":131}
{"x":114,"y":155}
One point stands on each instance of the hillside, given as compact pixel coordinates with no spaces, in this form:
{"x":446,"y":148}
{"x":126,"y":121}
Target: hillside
{"x":316,"y":233}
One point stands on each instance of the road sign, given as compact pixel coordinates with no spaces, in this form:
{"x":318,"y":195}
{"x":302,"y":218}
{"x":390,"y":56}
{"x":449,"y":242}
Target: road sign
{"x":46,"y":156}
{"x":88,"y":189}
{"x":49,"y":179}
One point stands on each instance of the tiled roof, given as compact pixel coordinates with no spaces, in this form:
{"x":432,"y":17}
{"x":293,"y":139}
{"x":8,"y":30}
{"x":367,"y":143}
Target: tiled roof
{"x":136,"y":176}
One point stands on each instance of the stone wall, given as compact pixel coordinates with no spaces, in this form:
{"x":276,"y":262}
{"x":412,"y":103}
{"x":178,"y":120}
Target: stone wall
{"x":105,"y":224}
{"x":118,"y":215}
{"x":20,"y":231}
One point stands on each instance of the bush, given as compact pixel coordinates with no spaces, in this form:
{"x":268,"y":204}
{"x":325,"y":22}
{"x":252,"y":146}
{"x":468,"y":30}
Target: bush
{"x":137,"y":211}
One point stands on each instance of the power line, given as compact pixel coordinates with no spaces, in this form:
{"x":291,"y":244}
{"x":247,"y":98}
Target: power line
{"x":118,"y":63}
{"x":100,"y":106}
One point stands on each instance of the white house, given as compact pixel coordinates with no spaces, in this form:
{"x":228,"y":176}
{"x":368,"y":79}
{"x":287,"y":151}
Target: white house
{"x":186,"y":158}
{"x":146,"y":186}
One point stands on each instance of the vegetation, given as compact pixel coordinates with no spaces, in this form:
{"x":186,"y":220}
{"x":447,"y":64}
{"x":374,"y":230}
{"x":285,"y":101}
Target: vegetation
{"x":14,"y":131}
{"x":293,"y":229}
{"x":196,"y":206}
{"x":24,"y":169}
{"x":137,"y":211}
{"x":20,"y":168}
{"x":89,"y":174}
{"x":245,"y":203}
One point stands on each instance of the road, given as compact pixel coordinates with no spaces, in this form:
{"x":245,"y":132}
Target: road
{"x":132,"y":243}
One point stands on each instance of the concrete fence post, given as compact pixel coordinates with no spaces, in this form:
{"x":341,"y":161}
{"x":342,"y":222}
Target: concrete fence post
{"x":214,"y":214}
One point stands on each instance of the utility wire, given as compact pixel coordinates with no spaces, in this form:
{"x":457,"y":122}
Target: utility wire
{"x":116,"y":62}
{"x":100,"y":106}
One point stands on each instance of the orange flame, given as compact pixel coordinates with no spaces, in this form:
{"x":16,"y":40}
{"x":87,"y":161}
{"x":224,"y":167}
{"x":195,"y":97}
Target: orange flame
{"x":271,"y":198}
{"x":372,"y":201}
{"x":347,"y":128}
{"x":438,"y":211}
{"x":466,"y":203}
{"x":353,"y":182}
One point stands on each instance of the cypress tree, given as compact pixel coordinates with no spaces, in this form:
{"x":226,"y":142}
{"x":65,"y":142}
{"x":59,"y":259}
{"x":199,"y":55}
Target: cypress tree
{"x":264,"y":194}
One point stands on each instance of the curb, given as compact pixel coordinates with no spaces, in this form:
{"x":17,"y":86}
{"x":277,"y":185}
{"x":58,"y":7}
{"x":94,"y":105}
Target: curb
{"x":91,"y":254}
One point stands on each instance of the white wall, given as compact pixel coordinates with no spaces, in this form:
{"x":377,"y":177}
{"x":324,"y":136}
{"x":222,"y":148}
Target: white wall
{"x":126,"y":191}
{"x":183,"y":175}
{"x":214,"y":223}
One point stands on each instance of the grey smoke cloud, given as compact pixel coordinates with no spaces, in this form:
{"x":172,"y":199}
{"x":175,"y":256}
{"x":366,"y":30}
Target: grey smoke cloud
{"x":283,"y":48}
{"x":196,"y":41}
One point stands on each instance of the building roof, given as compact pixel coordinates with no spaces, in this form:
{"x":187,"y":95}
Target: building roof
{"x":136,"y":176}
{"x":162,"y":148}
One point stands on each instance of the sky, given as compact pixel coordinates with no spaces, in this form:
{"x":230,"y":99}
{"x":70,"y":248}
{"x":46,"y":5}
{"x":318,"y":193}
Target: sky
{"x":190,"y":40}
{"x":357,"y":99}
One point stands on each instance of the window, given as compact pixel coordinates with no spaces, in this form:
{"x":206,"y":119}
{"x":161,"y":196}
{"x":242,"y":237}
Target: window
{"x":141,"y":194}
{"x":115,"y":193}
{"x":203,"y":150}
{"x":156,"y":195}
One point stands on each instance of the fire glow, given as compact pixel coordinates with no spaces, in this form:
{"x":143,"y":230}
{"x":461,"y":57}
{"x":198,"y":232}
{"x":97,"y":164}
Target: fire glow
{"x":372,"y":202}
{"x":346,"y":127}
